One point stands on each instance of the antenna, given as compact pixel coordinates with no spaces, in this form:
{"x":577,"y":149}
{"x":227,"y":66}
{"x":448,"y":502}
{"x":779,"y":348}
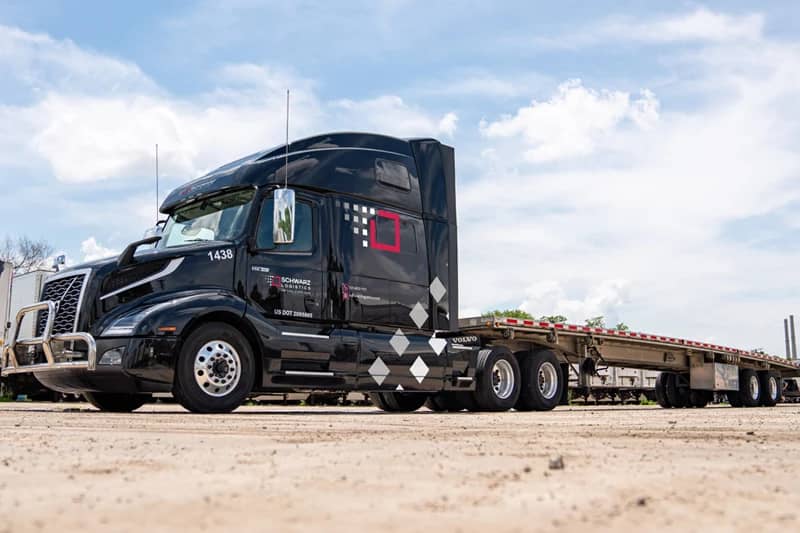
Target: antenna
{"x":156,"y":183}
{"x":286,"y":165}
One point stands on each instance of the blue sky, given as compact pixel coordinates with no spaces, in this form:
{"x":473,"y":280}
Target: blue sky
{"x":631,"y":159}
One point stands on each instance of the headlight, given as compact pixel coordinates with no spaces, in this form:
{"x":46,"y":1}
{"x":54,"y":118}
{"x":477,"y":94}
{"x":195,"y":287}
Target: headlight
{"x":113,"y":356}
{"x":126,"y":324}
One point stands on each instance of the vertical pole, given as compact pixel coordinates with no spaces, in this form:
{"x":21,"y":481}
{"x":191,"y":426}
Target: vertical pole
{"x":786,"y":338}
{"x":794,"y":340}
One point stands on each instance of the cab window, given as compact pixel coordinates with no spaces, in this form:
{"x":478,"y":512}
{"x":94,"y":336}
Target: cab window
{"x":303,"y":231}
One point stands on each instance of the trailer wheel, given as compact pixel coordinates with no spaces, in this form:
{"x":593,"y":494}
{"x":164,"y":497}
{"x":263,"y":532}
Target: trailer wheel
{"x":750,"y":389}
{"x":542,"y":382}
{"x":215,"y":370}
{"x":699,"y":398}
{"x":435,"y":403}
{"x":398,"y":402}
{"x":497,"y":380}
{"x":115,"y":402}
{"x":734,"y":398}
{"x":661,"y":390}
{"x":770,"y":388}
{"x":677,"y":394}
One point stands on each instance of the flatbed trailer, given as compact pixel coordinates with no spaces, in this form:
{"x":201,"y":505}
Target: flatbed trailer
{"x":691,"y":371}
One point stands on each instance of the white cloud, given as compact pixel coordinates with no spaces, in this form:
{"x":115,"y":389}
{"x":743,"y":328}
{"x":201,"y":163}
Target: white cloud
{"x":390,"y":114}
{"x":699,"y":25}
{"x":649,"y":207}
{"x":571,"y":122}
{"x":104,"y":123}
{"x":93,"y":250}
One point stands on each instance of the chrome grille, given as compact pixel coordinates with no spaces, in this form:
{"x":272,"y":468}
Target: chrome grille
{"x":66,"y":293}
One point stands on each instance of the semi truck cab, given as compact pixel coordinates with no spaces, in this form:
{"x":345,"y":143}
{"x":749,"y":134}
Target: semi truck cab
{"x":330,"y":263}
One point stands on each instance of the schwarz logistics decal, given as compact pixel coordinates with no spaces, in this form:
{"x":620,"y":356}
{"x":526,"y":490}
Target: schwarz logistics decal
{"x":289,"y":284}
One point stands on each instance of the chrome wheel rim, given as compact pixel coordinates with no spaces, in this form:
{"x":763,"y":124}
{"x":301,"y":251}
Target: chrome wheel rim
{"x":217,"y":368}
{"x":548,"y":380}
{"x":503,"y":379}
{"x":773,"y":388}
{"x":754,"y":387}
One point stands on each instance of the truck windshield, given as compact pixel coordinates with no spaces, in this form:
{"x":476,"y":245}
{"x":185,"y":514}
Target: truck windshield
{"x":219,"y":218}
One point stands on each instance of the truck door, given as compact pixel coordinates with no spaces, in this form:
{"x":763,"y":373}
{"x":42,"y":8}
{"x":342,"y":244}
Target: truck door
{"x":285,"y":287}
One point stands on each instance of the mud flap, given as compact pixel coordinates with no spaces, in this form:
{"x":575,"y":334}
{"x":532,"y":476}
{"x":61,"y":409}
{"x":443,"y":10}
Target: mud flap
{"x":565,"y":389}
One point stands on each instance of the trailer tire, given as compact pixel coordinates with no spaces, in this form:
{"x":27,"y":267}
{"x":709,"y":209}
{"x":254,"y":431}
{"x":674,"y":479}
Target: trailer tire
{"x":215,"y":370}
{"x":435,"y":403}
{"x":770,"y":388}
{"x":112,"y":402}
{"x":398,"y":402}
{"x":750,"y":390}
{"x":497,"y":380}
{"x":676,"y":395}
{"x":539,"y":393}
{"x":699,"y":398}
{"x":734,"y":398}
{"x":661,"y":390}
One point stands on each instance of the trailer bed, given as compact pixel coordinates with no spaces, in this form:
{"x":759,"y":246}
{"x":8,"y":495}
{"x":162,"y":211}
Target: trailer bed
{"x":619,"y":348}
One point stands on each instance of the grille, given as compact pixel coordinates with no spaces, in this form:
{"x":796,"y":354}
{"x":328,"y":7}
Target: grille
{"x":66,"y":293}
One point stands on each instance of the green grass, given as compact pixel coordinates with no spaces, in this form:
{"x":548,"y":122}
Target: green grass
{"x":644,"y":401}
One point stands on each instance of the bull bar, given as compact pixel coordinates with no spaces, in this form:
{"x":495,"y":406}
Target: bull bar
{"x":9,"y":364}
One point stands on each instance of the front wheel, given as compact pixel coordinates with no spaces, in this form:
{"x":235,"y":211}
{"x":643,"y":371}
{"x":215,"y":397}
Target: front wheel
{"x":115,"y":402}
{"x":215,"y":370}
{"x":398,"y":402}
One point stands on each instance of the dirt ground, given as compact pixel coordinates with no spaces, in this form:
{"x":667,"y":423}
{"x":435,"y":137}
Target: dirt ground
{"x":67,"y":467}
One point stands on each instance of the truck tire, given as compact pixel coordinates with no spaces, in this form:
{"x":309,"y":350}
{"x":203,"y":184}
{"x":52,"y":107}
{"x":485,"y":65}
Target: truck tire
{"x":116,"y":403}
{"x":436,"y":403}
{"x":677,"y":396}
{"x":215,"y":370}
{"x":750,"y":389}
{"x":542,"y":382}
{"x":661,"y":390}
{"x":497,"y":380}
{"x":770,"y":388}
{"x":699,"y":398}
{"x":734,"y":398}
{"x":398,"y":402}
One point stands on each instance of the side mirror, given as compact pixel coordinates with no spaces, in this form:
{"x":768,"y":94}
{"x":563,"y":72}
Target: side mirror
{"x":283,"y":216}
{"x":156,"y":230}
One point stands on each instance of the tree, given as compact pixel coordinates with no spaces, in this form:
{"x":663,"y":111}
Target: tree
{"x":622,"y":326}
{"x":25,"y":254}
{"x":553,"y":319}
{"x":511,"y":313}
{"x":596,"y":322}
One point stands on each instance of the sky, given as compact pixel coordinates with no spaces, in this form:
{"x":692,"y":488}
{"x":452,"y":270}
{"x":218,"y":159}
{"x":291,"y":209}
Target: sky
{"x":636,"y":160}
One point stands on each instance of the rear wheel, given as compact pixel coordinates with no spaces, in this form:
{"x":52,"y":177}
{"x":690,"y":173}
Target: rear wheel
{"x":446,"y":401}
{"x":399,"y":402}
{"x":497,"y":379}
{"x":749,"y":388}
{"x":116,"y":403}
{"x":699,"y":398}
{"x":770,"y":388}
{"x":542,"y":382}
{"x":661,"y":390}
{"x":215,"y":370}
{"x":677,"y":395}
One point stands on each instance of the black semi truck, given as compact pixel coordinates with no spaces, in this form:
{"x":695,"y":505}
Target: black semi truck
{"x":327,"y":264}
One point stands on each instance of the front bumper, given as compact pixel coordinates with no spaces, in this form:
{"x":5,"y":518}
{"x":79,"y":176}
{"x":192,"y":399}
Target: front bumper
{"x":75,"y":362}
{"x":57,"y":355}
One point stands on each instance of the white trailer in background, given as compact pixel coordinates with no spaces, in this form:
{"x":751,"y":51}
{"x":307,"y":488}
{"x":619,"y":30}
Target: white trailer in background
{"x":6,"y":273}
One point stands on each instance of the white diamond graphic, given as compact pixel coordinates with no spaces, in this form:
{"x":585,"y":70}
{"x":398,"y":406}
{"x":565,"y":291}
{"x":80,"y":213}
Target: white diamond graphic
{"x":378,"y":371}
{"x":347,"y":216}
{"x":418,"y":315}
{"x":400,"y":388}
{"x":437,"y":344}
{"x":437,"y":289}
{"x":419,"y":369}
{"x":399,"y":342}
